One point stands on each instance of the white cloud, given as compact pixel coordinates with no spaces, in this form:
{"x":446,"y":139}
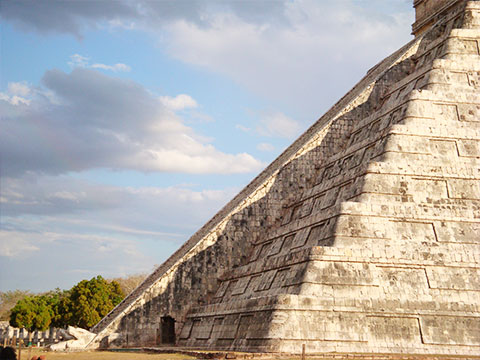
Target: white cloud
{"x":115,"y":68}
{"x":179,"y":102}
{"x":265,"y":147}
{"x":18,"y":93}
{"x":242,"y":128}
{"x":305,"y":62}
{"x":14,"y":99}
{"x":19,"y":88}
{"x":15,"y":244}
{"x":103,"y":122}
{"x":276,"y":124}
{"x":77,"y":60}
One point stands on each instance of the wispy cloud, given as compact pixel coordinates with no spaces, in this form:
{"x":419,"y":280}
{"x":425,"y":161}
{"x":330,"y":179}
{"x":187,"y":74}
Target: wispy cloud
{"x":110,"y":230}
{"x":265,"y":147}
{"x":179,"y":102}
{"x":242,"y":128}
{"x":16,"y":244}
{"x":115,"y":68}
{"x":77,"y":60}
{"x":277,"y":124}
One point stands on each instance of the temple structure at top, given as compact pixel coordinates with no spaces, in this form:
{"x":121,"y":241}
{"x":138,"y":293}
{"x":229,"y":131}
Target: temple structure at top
{"x":363,"y":236}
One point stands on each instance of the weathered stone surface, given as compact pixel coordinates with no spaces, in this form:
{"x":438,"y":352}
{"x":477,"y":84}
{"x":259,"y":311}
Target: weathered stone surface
{"x":78,"y":339}
{"x":363,"y":236}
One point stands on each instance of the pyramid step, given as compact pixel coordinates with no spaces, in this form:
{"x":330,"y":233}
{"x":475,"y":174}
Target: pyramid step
{"x":435,"y":146}
{"x":420,"y":199}
{"x":459,"y":62}
{"x":440,"y":125}
{"x":463,"y":42}
{"x":421,"y":127}
{"x":427,"y":170}
{"x":425,"y":96}
{"x":417,"y":212}
{"x":464,"y":155}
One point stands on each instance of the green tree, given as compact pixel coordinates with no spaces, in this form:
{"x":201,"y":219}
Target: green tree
{"x":89,"y":301}
{"x":54,"y":300}
{"x":84,"y":305}
{"x":32,"y":313}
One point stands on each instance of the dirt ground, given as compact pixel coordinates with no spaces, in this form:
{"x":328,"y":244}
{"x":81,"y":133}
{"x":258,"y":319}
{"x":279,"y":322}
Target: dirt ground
{"x":111,"y":355}
{"x":101,"y":355}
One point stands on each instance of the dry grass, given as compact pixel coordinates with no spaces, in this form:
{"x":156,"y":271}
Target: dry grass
{"x":102,"y":355}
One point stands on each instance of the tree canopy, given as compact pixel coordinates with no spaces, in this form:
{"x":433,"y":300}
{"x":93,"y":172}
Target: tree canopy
{"x":32,"y":313}
{"x":84,"y":305}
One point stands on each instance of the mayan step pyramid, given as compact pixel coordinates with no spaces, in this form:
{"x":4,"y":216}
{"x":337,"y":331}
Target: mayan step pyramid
{"x":363,"y":236}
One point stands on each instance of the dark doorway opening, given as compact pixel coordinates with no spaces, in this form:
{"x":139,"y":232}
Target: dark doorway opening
{"x":167,"y":330}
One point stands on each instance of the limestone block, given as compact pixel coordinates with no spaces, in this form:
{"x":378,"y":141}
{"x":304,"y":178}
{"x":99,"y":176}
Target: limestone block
{"x":202,"y":328}
{"x":245,"y":327}
{"x":469,"y":148}
{"x":458,"y":232}
{"x":317,"y":325}
{"x":418,"y":231}
{"x":222,"y":289}
{"x":300,"y":238}
{"x":253,"y":285}
{"x":394,"y":330}
{"x":186,"y":329}
{"x":345,"y":327}
{"x":443,"y":148}
{"x":468,"y":112}
{"x":474,"y":79}
{"x":317,"y":234}
{"x":454,"y":278}
{"x":296,"y":275}
{"x":229,"y":327}
{"x":266,"y":280}
{"x":344,"y":273}
{"x":462,"y":46}
{"x":472,"y":16}
{"x":450,"y":330}
{"x":217,"y":327}
{"x":416,"y":189}
{"x":307,"y":207}
{"x":282,"y":276}
{"x":403,"y":282}
{"x":463,"y":189}
{"x":241,"y":286}
{"x":276,"y":246}
{"x":330,"y":198}
{"x":450,"y":112}
{"x":287,"y":243}
{"x":409,"y":144}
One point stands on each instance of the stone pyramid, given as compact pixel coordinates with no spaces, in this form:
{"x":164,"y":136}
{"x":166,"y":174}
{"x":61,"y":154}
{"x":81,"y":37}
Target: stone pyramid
{"x":363,"y":236}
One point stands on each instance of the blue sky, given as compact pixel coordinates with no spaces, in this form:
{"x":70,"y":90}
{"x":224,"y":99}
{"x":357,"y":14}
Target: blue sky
{"x":125,"y":125}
